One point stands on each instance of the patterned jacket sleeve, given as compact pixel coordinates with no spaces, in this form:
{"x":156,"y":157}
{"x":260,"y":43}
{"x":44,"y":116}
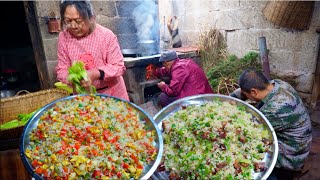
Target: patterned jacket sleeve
{"x":179,"y":77}
{"x":64,"y":61}
{"x":114,"y":66}
{"x":160,"y":72}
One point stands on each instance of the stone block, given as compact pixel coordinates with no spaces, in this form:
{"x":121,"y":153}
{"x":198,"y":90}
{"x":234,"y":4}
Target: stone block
{"x":315,"y":20}
{"x":197,"y":21}
{"x":231,"y":20}
{"x":128,"y":41}
{"x":117,"y":25}
{"x":50,"y":48}
{"x":301,"y":81}
{"x":242,"y":39}
{"x":277,"y":39}
{"x":44,"y":8}
{"x":244,"y":18}
{"x":250,"y":3}
{"x":223,"y":5}
{"x":305,"y":82}
{"x":105,"y":8}
{"x":126,"y":26}
{"x":110,"y":23}
{"x":189,"y":38}
{"x":51,"y":65}
{"x":178,"y":8}
{"x":293,"y":62}
{"x":196,"y":7}
{"x":125,"y":8}
{"x":294,"y":41}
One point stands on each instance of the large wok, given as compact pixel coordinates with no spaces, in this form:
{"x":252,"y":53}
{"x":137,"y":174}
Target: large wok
{"x":269,"y":159}
{"x":148,"y":170}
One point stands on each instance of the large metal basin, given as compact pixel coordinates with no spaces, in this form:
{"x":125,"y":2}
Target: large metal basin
{"x":269,"y":159}
{"x":145,"y":117}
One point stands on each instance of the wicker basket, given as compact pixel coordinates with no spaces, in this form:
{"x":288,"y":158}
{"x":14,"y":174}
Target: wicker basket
{"x":22,"y":104}
{"x":290,"y":14}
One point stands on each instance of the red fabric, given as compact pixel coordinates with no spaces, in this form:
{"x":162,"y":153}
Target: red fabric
{"x":99,"y":50}
{"x":187,"y":79}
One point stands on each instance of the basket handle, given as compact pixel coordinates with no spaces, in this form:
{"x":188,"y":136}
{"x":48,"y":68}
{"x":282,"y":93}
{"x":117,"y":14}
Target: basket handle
{"x":22,"y":91}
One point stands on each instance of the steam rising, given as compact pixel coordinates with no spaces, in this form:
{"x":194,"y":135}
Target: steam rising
{"x":145,"y":18}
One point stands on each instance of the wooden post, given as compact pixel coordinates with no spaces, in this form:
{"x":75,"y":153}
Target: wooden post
{"x":264,"y":57}
{"x":37,"y":44}
{"x":315,"y":96}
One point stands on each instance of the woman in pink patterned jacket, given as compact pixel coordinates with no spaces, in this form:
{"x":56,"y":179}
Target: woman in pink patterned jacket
{"x":98,"y":47}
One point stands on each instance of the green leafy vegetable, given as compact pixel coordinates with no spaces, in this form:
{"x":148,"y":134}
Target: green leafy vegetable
{"x":21,"y":120}
{"x":10,"y":125}
{"x":78,"y":73}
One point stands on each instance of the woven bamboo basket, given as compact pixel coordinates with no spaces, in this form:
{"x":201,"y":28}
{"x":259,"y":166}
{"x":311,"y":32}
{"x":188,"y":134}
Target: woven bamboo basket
{"x":290,"y":14}
{"x":23,"y":104}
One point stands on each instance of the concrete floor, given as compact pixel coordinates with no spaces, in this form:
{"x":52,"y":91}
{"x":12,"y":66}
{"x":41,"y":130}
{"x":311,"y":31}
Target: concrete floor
{"x":312,"y":167}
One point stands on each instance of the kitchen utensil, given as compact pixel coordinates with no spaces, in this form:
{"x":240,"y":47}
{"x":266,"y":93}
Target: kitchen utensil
{"x":270,"y":157}
{"x":129,"y":52}
{"x":7,"y":93}
{"x":147,"y":47}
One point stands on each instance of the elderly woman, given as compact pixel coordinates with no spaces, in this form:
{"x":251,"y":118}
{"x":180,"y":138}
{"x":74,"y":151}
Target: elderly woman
{"x":84,"y":40}
{"x":186,"y":78}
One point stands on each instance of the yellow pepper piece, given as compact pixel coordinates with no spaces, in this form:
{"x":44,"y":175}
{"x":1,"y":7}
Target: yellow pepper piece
{"x":139,"y":171}
{"x":65,"y":163}
{"x":53,"y":158}
{"x":131,"y":169}
{"x":105,"y":178}
{"x":44,"y":166}
{"x":79,"y":159}
{"x":27,"y":152}
{"x":131,"y":145}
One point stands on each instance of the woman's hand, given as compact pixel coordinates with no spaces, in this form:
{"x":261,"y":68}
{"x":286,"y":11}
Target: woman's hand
{"x":93,"y":75}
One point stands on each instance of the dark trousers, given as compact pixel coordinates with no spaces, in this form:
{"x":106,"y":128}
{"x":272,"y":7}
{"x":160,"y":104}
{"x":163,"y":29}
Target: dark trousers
{"x":283,"y":174}
{"x":164,"y":99}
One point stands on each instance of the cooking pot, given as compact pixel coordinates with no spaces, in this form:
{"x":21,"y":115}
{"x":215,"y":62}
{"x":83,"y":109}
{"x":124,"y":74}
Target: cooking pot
{"x":129,"y":52}
{"x":7,"y":93}
{"x":11,"y":76}
{"x":147,"y":47}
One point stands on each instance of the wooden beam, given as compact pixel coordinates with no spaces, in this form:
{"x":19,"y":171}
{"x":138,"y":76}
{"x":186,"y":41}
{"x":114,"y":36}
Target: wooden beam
{"x":315,"y":96}
{"x":37,"y":46}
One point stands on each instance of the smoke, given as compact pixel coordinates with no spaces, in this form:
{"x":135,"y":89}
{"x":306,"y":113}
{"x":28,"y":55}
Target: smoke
{"x":146,"y":20}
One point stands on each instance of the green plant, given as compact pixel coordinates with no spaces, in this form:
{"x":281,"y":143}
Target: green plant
{"x":223,"y":77}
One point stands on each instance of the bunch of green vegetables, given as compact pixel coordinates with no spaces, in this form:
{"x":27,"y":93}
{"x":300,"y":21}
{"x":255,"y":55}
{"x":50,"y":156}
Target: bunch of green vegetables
{"x":227,"y":72}
{"x":21,"y":120}
{"x":78,"y":73}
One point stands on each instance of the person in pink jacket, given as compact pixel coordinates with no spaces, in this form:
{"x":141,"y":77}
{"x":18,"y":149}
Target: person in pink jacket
{"x":84,"y":40}
{"x":186,"y":78}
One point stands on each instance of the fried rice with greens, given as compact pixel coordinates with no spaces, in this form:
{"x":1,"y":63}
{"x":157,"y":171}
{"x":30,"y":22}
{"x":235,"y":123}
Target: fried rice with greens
{"x":217,"y":139}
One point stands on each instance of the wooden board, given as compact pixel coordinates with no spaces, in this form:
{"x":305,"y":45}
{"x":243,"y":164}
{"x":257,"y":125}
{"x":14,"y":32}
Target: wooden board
{"x":12,"y":166}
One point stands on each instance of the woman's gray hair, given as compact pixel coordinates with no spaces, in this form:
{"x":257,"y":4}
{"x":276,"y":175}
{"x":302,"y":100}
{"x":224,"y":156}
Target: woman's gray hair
{"x":84,"y":8}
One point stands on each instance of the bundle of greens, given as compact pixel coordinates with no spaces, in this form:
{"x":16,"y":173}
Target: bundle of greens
{"x":78,"y":73}
{"x":21,"y":120}
{"x":224,"y":76}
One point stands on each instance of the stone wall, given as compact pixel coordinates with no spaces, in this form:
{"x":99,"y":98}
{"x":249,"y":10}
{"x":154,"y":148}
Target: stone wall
{"x":291,"y":53}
